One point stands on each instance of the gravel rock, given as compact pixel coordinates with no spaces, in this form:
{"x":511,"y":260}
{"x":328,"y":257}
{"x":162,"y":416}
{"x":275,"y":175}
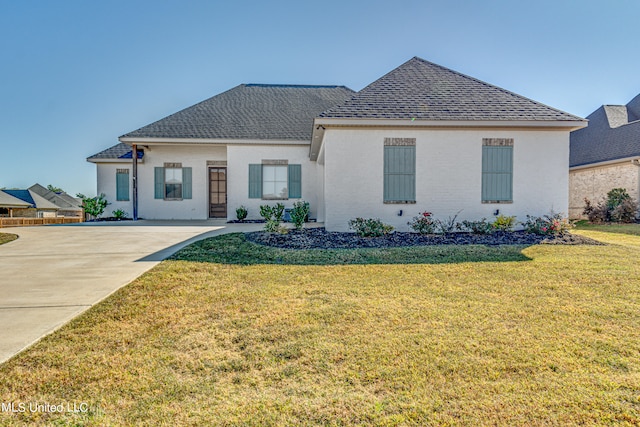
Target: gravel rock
{"x":319,"y":238}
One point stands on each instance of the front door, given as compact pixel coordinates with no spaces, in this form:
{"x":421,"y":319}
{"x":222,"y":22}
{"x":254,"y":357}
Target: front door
{"x":217,"y":192}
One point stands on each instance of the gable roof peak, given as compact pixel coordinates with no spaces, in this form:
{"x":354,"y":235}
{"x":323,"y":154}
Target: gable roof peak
{"x":419,"y":89}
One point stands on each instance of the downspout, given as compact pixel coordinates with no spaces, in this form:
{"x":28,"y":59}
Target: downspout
{"x":134,"y":156}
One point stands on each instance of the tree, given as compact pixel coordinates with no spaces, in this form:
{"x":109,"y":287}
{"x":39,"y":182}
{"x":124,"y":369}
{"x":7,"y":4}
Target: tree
{"x":55,"y":189}
{"x":94,"y":206}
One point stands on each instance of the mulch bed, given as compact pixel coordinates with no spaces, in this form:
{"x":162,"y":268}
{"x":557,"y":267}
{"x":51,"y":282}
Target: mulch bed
{"x":319,"y":238}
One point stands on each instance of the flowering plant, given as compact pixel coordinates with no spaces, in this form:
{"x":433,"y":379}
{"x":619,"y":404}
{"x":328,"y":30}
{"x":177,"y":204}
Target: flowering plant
{"x":423,"y":223}
{"x":552,"y":224}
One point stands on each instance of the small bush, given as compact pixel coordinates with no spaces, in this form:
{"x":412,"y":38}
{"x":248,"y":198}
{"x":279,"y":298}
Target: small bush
{"x":476,"y":227}
{"x":626,"y":211}
{"x":369,"y":227}
{"x":299,"y":214}
{"x":444,"y":226}
{"x":504,"y":223}
{"x":94,"y":206}
{"x":552,"y":224}
{"x":619,"y":207}
{"x":119,"y":214}
{"x":596,"y":214}
{"x":273,"y":216}
{"x":616,"y":196}
{"x":423,"y":223}
{"x":241,"y":213}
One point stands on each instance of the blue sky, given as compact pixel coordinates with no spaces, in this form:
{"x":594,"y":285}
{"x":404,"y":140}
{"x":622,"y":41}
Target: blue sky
{"x":75,"y":75}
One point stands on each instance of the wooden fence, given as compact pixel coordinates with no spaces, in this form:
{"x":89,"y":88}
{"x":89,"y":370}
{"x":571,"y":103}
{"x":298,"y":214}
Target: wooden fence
{"x":25,"y":222}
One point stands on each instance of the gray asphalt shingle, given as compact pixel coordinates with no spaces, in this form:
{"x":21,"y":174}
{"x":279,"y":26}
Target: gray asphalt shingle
{"x":613,"y":133}
{"x":250,"y":111}
{"x":419,"y":89}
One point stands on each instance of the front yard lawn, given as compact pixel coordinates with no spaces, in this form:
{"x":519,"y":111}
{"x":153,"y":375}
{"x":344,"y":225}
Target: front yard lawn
{"x":7,"y":237}
{"x":231,"y":333}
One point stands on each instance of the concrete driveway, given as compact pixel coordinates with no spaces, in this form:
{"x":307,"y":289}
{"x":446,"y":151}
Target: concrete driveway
{"x":53,"y":273}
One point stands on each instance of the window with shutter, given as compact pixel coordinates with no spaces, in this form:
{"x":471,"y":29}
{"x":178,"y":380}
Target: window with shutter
{"x":275,"y":180}
{"x":399,"y":170}
{"x":122,"y":185}
{"x":497,"y":170}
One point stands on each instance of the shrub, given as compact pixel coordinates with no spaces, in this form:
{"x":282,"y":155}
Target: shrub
{"x":273,"y":216}
{"x":448,"y":225}
{"x":119,"y":214}
{"x":299,"y":213}
{"x":552,"y":224}
{"x":423,"y":223}
{"x":369,"y":227}
{"x":616,"y":196}
{"x":619,"y":207}
{"x":596,"y":214}
{"x":476,"y":227}
{"x":94,"y":206}
{"x":504,"y":223}
{"x":241,"y":213}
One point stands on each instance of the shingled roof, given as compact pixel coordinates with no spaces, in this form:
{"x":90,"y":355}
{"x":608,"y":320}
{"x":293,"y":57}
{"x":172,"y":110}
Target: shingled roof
{"x":250,"y":111}
{"x":419,"y":89}
{"x":613,"y":133}
{"x":118,"y":151}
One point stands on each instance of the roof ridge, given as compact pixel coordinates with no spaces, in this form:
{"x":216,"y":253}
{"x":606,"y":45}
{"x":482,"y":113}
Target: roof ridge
{"x":286,"y":85}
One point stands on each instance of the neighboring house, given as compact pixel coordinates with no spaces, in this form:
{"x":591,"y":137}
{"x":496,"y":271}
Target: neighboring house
{"x":8,"y":204}
{"x":422,"y":137}
{"x":69,"y":206}
{"x":33,"y":205}
{"x":605,"y":155}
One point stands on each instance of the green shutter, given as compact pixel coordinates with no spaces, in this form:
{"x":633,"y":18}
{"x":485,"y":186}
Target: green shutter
{"x":399,"y":173}
{"x":122,"y":186}
{"x":295,"y":181}
{"x":159,"y":182}
{"x":255,"y":181}
{"x":186,"y":183}
{"x":497,"y":173}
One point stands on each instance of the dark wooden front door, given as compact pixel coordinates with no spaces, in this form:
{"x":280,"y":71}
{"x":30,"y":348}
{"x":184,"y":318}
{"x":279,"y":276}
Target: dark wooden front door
{"x":217,"y":192}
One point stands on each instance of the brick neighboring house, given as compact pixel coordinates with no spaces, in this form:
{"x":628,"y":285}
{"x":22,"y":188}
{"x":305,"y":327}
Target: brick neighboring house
{"x":605,"y":155}
{"x":32,"y":205}
{"x":38,"y":202}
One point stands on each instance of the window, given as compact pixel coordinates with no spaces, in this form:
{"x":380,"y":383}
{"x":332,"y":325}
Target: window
{"x":275,"y":182}
{"x":122,"y":185}
{"x":172,"y":182}
{"x":275,"y":179}
{"x":497,"y":170}
{"x":399,"y":170}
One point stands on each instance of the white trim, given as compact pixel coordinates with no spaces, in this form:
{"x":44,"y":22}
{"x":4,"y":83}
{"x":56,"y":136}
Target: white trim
{"x":201,"y":141}
{"x":634,"y":160}
{"x":359,"y":122}
{"x":126,"y":161}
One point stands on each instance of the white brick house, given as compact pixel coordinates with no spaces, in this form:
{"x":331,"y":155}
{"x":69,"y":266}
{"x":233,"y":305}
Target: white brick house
{"x":422,"y":137}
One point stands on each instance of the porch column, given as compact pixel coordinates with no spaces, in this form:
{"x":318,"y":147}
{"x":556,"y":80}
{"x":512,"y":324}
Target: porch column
{"x":134,"y":156}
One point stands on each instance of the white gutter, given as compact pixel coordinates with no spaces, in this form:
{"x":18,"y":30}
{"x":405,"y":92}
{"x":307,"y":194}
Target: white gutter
{"x":201,"y":141}
{"x":635,"y":160}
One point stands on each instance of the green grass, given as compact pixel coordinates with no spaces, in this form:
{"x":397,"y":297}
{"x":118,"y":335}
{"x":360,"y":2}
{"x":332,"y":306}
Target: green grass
{"x":633,"y":229}
{"x":7,"y":237}
{"x":269,"y":338}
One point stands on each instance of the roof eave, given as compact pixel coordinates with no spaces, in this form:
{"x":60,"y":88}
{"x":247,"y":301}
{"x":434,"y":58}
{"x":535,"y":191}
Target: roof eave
{"x":633,"y":159}
{"x":203,"y":141}
{"x":365,"y":122}
{"x":320,"y":124}
{"x":112,"y":160}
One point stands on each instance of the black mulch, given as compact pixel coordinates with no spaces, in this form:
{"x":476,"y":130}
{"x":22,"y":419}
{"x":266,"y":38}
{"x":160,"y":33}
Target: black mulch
{"x":319,"y":238}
